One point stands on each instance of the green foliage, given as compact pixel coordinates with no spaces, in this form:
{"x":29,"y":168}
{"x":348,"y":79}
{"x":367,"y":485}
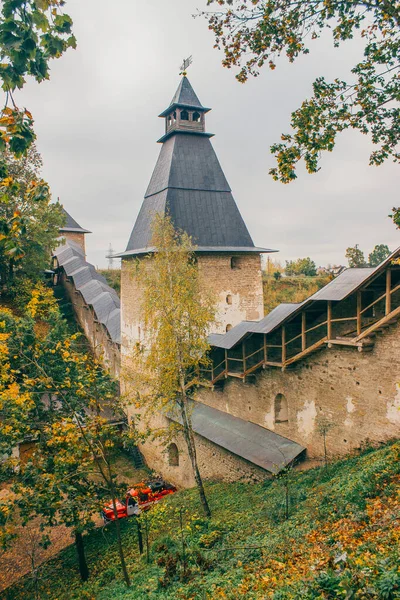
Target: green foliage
{"x":254,"y":34}
{"x":290,"y":289}
{"x":113,"y":277}
{"x":32,"y":32}
{"x":29,"y":222}
{"x":301,"y":266}
{"x":340,"y":547}
{"x":355,"y":257}
{"x":378,"y":255}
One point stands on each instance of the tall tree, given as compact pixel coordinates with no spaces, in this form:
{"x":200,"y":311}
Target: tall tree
{"x":176,"y":317}
{"x":355,"y":257}
{"x":256,"y":33}
{"x":32,"y":32}
{"x":53,"y":391}
{"x":29,"y":222}
{"x":301,"y":266}
{"x":378,"y":254}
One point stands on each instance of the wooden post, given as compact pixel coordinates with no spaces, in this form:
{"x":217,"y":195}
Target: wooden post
{"x":265,"y":348}
{"x":303,"y":331}
{"x":283,"y":345}
{"x":244,"y":357}
{"x":329,"y":319}
{"x":358,"y":312}
{"x":388,"y":303}
{"x":226,"y":362}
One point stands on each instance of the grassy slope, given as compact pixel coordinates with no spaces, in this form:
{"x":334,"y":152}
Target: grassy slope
{"x":341,"y":541}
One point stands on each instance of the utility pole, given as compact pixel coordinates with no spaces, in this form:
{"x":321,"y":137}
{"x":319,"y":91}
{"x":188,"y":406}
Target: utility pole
{"x":110,"y":257}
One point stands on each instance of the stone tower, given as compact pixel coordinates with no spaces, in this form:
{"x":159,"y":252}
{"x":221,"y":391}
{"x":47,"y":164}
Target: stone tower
{"x":189,"y":185}
{"x":73,"y":231}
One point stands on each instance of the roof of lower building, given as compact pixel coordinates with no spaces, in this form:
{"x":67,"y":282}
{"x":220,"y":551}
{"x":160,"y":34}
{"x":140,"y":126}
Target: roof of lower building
{"x":72,"y":225}
{"x":256,"y":444}
{"x":94,"y":288}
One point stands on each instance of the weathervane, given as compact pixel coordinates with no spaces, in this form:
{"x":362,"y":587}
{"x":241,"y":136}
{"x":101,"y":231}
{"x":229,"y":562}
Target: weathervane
{"x":186,"y":63}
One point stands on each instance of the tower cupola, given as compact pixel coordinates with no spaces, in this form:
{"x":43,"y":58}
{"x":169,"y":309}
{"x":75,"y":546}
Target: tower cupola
{"x":185,"y":112}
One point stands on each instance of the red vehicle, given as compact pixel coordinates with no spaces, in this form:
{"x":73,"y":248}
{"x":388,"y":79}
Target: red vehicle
{"x":139,"y":498}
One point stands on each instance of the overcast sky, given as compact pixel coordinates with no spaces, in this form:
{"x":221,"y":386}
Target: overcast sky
{"x":97,"y":126}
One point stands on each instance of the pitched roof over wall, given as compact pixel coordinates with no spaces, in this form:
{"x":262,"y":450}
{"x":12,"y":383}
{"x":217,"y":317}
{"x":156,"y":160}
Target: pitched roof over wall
{"x":102,"y":298}
{"x":254,"y":443}
{"x":340,"y":288}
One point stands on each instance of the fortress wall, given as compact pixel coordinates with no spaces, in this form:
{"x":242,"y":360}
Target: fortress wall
{"x":356,"y":393}
{"x":105,"y":350}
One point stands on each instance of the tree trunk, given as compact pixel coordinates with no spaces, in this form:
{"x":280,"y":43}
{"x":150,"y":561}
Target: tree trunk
{"x":191,"y":446}
{"x":139,"y":535}
{"x":80,"y":549}
{"x":119,"y":543}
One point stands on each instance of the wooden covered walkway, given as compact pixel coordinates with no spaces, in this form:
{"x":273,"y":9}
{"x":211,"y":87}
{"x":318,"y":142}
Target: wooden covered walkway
{"x":350,"y":311}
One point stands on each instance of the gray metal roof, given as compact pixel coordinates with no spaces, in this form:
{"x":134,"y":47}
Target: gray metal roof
{"x":275,"y":318}
{"x":185,"y":96}
{"x":254,"y":443}
{"x":338,"y":289}
{"x":96,"y":292}
{"x":72,"y":225}
{"x":188,"y":184}
{"x":343,"y":285}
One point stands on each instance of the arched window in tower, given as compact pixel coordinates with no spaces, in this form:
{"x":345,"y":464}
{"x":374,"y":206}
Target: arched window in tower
{"x":169,"y":121}
{"x":229,"y":299}
{"x":281,"y":409}
{"x":174,"y":116}
{"x":184,"y":115}
{"x":173,"y":455}
{"x":196,"y":117}
{"x":228,"y":327}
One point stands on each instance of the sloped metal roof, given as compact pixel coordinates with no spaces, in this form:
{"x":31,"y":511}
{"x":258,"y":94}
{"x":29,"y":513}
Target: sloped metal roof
{"x":185,"y":94}
{"x":254,"y":443}
{"x":275,"y":318}
{"x":343,"y":285}
{"x":186,"y":97}
{"x":189,"y":185}
{"x":96,"y":292}
{"x":72,"y":225}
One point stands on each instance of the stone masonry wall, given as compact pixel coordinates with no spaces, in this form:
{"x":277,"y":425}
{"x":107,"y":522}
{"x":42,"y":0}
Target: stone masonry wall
{"x":238,"y":290}
{"x":95,"y":332}
{"x":78,"y":238}
{"x":215,"y":463}
{"x":356,"y":393}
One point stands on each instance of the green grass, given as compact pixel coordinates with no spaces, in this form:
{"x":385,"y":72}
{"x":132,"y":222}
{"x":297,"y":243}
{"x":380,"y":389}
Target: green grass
{"x":341,"y":541}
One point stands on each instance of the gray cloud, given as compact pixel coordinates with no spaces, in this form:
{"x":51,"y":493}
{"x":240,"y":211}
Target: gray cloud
{"x":97,"y":126}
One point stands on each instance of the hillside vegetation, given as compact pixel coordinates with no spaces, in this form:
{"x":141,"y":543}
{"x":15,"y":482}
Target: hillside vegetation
{"x":341,"y":540}
{"x":290,"y":289}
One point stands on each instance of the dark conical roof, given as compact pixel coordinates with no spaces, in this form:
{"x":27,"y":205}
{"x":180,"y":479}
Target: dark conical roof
{"x":72,"y":225}
{"x":189,"y":185}
{"x":185,"y":94}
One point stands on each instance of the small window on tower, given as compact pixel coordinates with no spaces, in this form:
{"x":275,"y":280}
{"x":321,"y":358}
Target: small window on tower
{"x":169,"y":121}
{"x":235,"y":262}
{"x":228,"y":327}
{"x":196,"y":117}
{"x":184,"y":115}
{"x":229,"y":299}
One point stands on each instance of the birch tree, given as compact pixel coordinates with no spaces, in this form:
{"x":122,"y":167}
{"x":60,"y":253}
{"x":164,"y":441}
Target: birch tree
{"x":176,"y":316}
